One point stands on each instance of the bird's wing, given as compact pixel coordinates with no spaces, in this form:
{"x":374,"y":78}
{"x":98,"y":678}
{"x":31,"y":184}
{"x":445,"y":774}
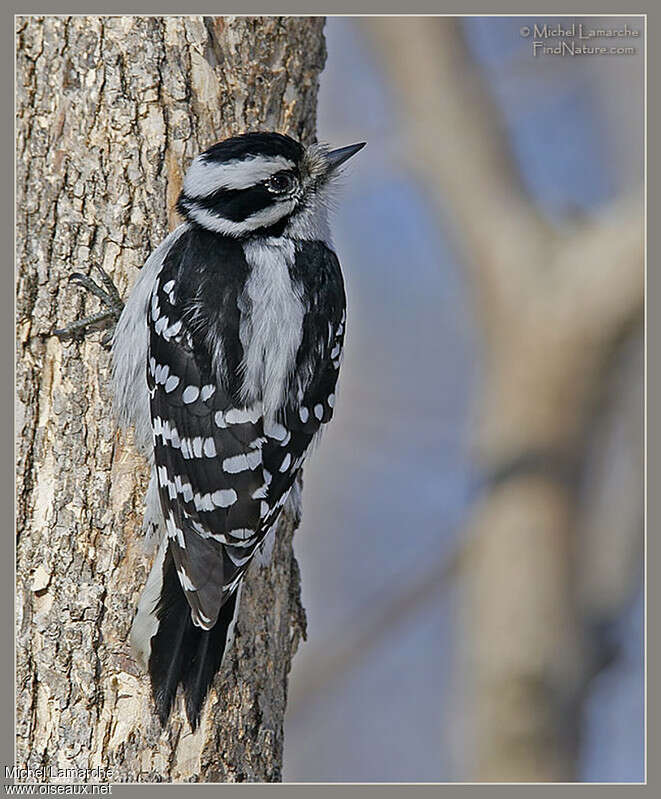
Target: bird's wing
{"x":208,"y":458}
{"x":223,"y":471}
{"x":312,"y":398}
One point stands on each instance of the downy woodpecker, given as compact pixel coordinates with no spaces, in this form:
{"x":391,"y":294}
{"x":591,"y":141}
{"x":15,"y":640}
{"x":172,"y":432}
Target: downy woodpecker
{"x":225,"y":360}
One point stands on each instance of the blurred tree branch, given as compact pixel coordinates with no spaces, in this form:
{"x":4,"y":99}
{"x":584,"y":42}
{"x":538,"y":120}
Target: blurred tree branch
{"x":552,"y":305}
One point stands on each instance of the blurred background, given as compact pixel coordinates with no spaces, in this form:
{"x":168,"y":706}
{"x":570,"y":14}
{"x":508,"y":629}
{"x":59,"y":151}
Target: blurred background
{"x":472,"y":540}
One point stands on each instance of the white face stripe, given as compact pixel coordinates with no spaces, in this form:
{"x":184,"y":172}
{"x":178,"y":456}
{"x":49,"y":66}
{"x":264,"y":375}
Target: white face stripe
{"x":264,"y":218}
{"x":204,"y":177}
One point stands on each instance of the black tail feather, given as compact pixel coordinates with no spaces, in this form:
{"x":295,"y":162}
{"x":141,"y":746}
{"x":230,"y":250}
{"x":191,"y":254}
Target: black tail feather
{"x":183,"y":654}
{"x":206,"y":661}
{"x":167,"y":650}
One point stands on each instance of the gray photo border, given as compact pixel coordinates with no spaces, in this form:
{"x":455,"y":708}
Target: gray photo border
{"x":653,"y":378}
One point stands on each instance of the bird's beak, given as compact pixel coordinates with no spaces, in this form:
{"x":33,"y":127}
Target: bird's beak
{"x":337,"y":157}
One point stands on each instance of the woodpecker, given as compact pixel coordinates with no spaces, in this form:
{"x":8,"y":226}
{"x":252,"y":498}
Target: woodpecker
{"x":225,"y":360}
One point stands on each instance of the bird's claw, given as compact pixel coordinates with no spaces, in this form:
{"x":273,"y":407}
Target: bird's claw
{"x":109,"y":297}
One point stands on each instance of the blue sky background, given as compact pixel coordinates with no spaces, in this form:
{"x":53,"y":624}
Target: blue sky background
{"x":387,"y":491}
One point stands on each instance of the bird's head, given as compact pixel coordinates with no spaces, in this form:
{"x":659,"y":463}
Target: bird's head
{"x":262,"y":184}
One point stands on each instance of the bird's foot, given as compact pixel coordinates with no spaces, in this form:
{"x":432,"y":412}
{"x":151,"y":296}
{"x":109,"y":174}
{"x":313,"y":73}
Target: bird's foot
{"x":103,"y":320}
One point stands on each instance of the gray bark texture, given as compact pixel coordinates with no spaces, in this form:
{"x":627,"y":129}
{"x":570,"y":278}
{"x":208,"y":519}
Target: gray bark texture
{"x":110,"y":112}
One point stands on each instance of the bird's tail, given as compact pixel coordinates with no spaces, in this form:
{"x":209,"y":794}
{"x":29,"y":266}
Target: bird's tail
{"x":171,"y":647}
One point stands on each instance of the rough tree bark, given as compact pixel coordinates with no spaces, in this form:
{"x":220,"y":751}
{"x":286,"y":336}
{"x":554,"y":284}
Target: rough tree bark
{"x":552,"y":306}
{"x":110,"y":113}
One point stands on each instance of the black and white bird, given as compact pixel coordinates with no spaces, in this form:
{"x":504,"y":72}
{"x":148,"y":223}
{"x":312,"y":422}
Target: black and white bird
{"x":225,"y":362}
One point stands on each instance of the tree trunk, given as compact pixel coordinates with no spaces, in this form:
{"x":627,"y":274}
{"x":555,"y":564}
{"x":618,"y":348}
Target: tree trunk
{"x":110,"y":113}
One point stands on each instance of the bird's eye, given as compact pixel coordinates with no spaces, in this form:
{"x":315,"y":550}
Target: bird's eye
{"x":280,"y":182}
